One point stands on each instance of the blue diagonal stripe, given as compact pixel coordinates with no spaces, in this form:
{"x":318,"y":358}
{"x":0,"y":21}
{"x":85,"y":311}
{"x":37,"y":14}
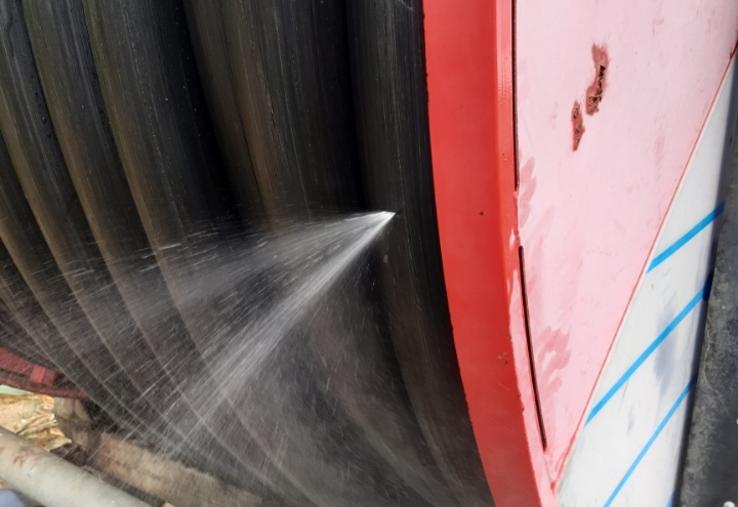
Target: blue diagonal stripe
{"x":644,"y":450}
{"x":684,"y":239}
{"x":702,"y":294}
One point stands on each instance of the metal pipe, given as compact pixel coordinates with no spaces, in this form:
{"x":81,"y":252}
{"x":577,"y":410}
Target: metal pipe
{"x":52,"y":481}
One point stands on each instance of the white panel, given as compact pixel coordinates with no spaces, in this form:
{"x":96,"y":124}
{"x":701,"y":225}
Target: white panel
{"x":627,"y":450}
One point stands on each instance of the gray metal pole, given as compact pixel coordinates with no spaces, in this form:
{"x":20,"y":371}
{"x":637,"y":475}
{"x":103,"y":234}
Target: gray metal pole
{"x":52,"y":481}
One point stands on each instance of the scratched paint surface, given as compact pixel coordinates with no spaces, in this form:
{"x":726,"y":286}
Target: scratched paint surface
{"x":627,"y":452}
{"x":588,"y":217}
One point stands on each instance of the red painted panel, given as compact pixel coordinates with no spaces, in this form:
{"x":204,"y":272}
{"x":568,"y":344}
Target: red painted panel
{"x":589,"y":211}
{"x":21,"y":382}
{"x":16,"y":364}
{"x":17,"y":372}
{"x":469,"y":66}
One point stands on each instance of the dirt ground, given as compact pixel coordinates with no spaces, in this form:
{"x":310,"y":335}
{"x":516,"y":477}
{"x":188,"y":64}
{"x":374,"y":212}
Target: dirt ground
{"x":30,"y":416}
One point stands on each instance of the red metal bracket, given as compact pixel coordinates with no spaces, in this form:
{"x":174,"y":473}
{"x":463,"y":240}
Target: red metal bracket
{"x":22,"y":374}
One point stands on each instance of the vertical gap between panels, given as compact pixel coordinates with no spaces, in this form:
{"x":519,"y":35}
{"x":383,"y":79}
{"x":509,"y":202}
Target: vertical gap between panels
{"x":531,"y":357}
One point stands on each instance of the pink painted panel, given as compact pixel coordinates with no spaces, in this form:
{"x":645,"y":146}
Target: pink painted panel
{"x":588,"y":217}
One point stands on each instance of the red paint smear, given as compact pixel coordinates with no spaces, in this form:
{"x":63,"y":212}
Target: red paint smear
{"x":596,"y":90}
{"x":577,"y":125}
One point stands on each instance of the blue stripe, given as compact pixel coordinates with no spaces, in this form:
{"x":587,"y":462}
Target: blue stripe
{"x":702,"y":294}
{"x":684,"y":239}
{"x":644,"y":450}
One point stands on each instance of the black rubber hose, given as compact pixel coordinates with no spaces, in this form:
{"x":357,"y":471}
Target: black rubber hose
{"x":392,"y":121}
{"x":24,"y":309}
{"x":64,"y":61}
{"x":211,"y":53}
{"x":291,"y":84}
{"x":159,"y":123}
{"x":14,"y":338}
{"x":290,"y":65}
{"x":284,"y":66}
{"x":43,"y":177}
{"x":84,"y":361}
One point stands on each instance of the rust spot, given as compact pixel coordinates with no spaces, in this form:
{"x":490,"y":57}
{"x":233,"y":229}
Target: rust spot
{"x":577,"y":125}
{"x":597,"y":88}
{"x":23,"y":454}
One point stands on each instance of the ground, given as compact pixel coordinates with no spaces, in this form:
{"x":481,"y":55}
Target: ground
{"x":30,"y":416}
